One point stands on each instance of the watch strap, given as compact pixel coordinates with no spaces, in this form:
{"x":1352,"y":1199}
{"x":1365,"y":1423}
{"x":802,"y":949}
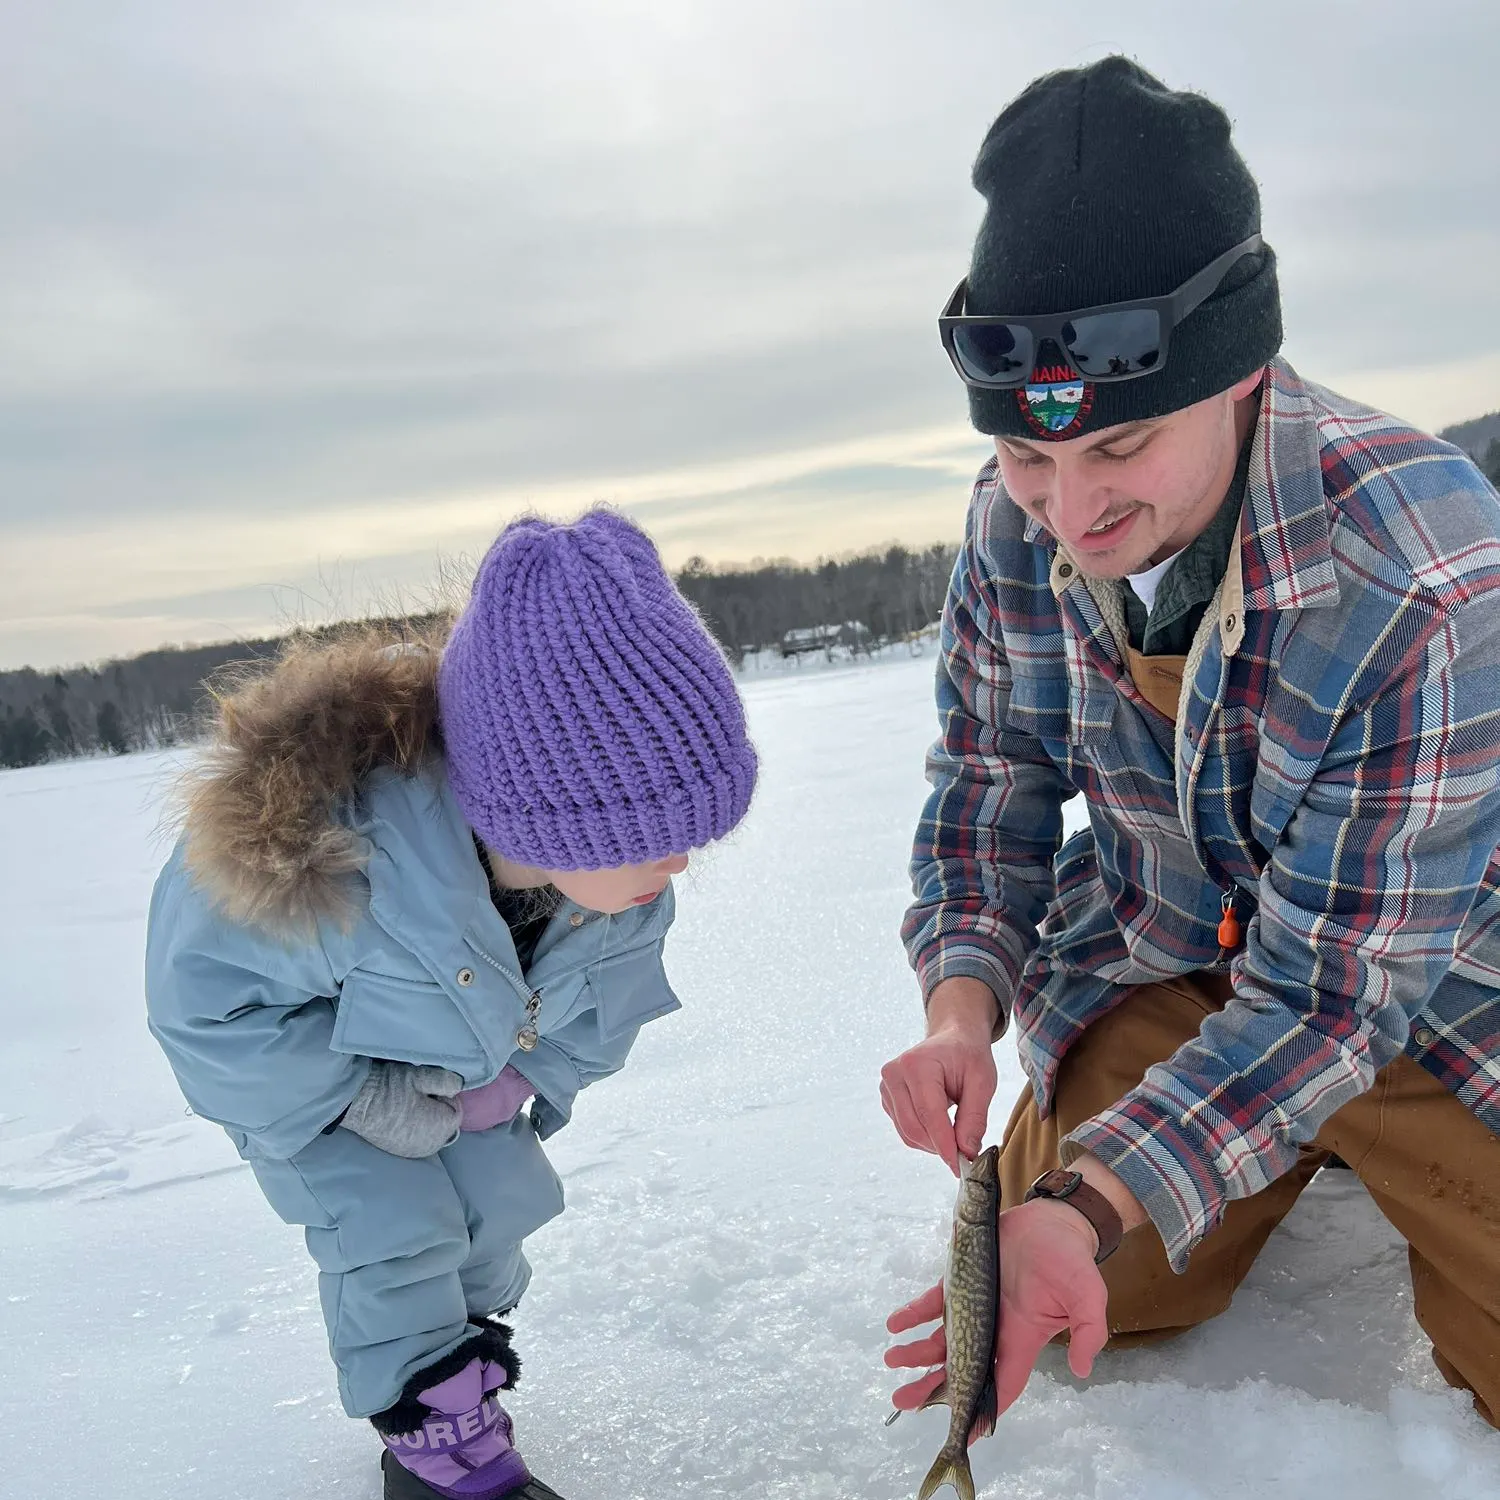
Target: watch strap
{"x":1070,"y":1188}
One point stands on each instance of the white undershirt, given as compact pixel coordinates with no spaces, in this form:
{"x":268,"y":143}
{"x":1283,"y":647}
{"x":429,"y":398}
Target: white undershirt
{"x":1145,"y":584}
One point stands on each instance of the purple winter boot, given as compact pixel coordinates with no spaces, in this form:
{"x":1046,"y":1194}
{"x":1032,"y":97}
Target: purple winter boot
{"x":452,"y":1439}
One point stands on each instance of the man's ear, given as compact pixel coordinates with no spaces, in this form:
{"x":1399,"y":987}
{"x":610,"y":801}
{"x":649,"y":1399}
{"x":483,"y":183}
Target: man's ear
{"x":1247,"y":385}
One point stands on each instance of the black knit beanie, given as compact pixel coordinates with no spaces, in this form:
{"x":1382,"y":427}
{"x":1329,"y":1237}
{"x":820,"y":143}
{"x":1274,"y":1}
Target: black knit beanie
{"x":1102,"y":184}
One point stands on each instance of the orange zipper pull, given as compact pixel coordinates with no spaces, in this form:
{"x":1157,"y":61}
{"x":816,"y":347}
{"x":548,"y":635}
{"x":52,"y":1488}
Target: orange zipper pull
{"x":1229,"y":924}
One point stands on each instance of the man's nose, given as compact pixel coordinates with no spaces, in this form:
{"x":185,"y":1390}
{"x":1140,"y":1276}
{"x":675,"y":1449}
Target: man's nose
{"x":1072,"y":506}
{"x":674,"y":864}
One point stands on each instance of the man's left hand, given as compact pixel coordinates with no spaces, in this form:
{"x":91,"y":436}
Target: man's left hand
{"x":1048,"y":1283}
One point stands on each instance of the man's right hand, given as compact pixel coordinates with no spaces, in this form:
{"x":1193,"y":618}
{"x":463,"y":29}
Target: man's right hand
{"x":954,"y":1064}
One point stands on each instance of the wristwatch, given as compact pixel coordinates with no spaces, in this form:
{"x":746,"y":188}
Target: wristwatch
{"x":1070,"y":1188}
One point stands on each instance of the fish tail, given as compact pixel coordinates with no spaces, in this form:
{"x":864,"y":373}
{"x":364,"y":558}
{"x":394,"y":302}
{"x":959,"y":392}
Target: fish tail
{"x":951,"y":1467}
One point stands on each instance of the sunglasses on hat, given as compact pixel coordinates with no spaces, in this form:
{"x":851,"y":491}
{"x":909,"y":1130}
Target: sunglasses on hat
{"x":1117,"y":341}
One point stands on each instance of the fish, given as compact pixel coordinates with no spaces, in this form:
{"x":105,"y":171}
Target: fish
{"x":971,"y":1295}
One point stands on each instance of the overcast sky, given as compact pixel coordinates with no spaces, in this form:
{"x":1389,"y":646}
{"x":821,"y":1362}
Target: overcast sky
{"x":296,"y":299}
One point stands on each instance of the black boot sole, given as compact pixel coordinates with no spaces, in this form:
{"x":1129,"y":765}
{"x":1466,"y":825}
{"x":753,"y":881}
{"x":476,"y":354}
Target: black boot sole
{"x":402,"y":1484}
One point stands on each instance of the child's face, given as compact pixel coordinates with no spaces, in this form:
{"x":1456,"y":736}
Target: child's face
{"x":619,"y":889}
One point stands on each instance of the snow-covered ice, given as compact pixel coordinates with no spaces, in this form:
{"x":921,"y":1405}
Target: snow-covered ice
{"x":706,"y":1319}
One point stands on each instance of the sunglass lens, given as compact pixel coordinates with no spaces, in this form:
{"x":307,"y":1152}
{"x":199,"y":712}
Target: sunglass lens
{"x":991,"y":352}
{"x":1115,"y":343}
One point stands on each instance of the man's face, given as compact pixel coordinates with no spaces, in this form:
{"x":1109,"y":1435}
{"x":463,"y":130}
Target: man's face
{"x":1127,"y":496}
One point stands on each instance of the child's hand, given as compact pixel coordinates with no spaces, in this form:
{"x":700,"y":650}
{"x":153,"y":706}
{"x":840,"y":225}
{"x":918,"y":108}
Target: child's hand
{"x":407,"y":1109}
{"x":496,"y":1102}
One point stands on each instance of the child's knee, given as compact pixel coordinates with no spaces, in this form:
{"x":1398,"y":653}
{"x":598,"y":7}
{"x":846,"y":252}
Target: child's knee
{"x":506,"y":1184}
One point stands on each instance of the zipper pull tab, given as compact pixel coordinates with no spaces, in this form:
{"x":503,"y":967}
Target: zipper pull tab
{"x":1229,"y":924}
{"x":526,"y":1037}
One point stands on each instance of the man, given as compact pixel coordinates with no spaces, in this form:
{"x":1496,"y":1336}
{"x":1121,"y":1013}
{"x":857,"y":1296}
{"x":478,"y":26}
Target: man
{"x":1257,"y":626}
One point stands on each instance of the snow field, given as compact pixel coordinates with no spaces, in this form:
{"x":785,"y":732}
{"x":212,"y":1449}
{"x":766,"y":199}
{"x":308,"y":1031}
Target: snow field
{"x":707,"y":1317}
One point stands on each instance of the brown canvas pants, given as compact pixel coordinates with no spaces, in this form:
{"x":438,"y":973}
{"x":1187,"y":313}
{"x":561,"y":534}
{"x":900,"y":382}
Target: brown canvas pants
{"x":1431,"y":1167}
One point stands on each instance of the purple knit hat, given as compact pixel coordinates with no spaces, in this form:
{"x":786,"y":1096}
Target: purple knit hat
{"x":589,"y":719}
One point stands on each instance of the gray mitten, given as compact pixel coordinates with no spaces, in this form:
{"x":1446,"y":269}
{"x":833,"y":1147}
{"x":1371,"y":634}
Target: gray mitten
{"x":407,"y":1109}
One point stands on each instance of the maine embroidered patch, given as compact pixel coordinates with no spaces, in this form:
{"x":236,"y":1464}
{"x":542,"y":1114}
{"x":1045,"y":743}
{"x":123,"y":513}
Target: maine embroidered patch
{"x":1057,"y":402}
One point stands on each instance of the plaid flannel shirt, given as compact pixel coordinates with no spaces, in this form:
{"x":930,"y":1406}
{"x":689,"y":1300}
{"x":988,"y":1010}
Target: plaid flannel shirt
{"x":1336,"y":769}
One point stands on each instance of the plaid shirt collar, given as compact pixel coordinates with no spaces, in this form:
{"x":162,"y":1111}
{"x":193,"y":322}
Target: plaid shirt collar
{"x":1285,"y":554}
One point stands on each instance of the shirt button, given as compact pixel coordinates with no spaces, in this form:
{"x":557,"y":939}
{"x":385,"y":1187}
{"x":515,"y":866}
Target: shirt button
{"x":465,"y":977}
{"x":1065,"y":570}
{"x":576,"y":920}
{"x":1424,"y":1036}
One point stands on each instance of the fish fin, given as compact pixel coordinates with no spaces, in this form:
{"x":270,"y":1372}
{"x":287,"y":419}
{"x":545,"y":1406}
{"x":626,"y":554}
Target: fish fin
{"x":984,"y":1413}
{"x":938,"y":1398}
{"x":950,"y":1468}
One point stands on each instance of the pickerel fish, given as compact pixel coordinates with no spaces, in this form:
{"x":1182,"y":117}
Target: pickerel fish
{"x":971,"y":1294}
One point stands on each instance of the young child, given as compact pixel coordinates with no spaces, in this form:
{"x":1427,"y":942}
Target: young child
{"x":415,"y":890}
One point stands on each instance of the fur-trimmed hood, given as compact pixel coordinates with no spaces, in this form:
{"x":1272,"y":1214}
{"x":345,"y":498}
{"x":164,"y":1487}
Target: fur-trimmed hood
{"x":261,"y":824}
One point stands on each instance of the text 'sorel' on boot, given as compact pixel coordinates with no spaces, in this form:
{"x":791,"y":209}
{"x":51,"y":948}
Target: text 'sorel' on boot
{"x":451,"y":1439}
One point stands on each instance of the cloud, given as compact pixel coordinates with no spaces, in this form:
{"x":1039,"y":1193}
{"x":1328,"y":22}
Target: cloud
{"x":332,"y":286}
{"x":184,"y":577}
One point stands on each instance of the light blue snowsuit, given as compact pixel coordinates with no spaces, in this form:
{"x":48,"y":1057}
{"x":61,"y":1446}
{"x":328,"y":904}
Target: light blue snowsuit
{"x":272,"y":1036}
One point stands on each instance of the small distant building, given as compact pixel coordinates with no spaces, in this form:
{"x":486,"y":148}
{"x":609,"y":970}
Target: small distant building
{"x":852,"y":636}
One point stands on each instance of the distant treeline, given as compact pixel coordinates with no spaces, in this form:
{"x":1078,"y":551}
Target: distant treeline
{"x":1479,"y":435}
{"x":1490,"y":462}
{"x":1481,"y":438}
{"x":884,"y":596}
{"x":133,"y":704}
{"x":161,"y":698}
